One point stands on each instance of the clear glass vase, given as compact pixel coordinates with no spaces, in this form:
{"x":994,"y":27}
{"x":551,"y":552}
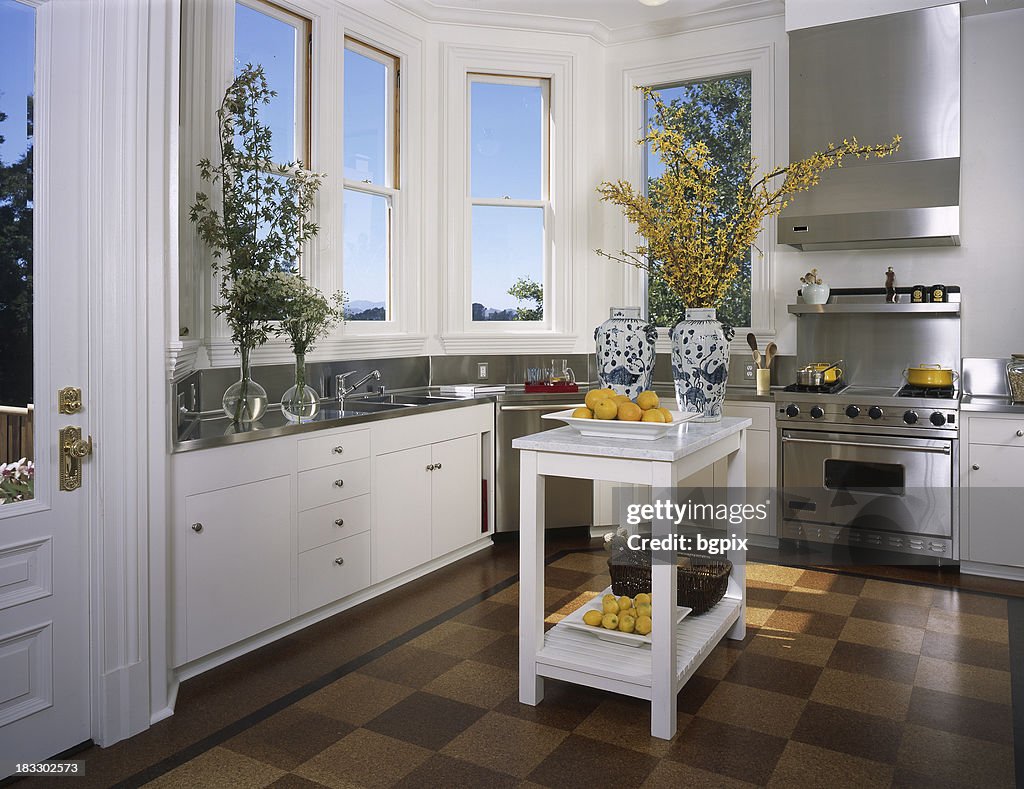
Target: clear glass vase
{"x":245,"y":401}
{"x":300,"y":403}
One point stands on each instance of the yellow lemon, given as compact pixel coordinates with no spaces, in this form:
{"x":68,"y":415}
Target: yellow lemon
{"x":610,"y":607}
{"x":625,"y":603}
{"x":643,"y":597}
{"x":629,"y":412}
{"x":666,"y":413}
{"x":643,"y":609}
{"x":608,"y":597}
{"x":595,"y":396}
{"x":643,"y":625}
{"x":648,"y":400}
{"x":610,"y":621}
{"x":653,"y":415}
{"x":582,"y":413}
{"x":620,"y":398}
{"x":630,"y":611}
{"x":627,"y":623}
{"x":606,"y":409}
{"x":593,"y":617}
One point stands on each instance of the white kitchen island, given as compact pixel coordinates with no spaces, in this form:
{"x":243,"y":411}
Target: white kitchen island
{"x":656,"y":672}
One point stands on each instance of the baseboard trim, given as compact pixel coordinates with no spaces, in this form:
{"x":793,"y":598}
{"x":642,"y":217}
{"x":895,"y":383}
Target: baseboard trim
{"x":993,"y":570}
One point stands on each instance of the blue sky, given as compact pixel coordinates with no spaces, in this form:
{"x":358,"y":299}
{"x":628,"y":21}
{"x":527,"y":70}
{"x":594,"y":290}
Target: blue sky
{"x":17,"y":61}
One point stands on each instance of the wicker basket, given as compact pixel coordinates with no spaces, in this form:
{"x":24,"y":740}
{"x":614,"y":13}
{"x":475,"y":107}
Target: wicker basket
{"x":701,"y":580}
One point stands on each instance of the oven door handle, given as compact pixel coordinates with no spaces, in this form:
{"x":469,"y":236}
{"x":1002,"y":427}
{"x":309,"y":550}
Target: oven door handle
{"x":943,"y":450}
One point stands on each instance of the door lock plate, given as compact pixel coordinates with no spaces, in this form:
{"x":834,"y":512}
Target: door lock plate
{"x":72,"y":449}
{"x":69,"y":400}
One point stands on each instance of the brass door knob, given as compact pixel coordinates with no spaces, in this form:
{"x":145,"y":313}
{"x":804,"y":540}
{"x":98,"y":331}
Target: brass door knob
{"x":79,"y":448}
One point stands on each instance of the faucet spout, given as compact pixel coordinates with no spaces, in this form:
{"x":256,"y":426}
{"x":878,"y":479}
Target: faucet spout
{"x":344,"y":391}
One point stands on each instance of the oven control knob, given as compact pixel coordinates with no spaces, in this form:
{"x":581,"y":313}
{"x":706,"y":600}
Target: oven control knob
{"x":792,"y":410}
{"x":852,"y":411}
{"x":938,"y":419}
{"x":817,"y":412}
{"x":910,"y":417}
{"x":875,"y":412}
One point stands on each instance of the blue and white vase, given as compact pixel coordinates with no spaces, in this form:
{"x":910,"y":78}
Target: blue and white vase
{"x":625,"y":352}
{"x":700,"y":364}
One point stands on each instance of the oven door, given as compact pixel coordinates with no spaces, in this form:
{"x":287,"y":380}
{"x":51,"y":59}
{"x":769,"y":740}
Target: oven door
{"x":869,"y":482}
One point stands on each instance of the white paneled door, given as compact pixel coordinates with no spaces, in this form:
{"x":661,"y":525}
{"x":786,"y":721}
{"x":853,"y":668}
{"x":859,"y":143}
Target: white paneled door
{"x":45,"y":233}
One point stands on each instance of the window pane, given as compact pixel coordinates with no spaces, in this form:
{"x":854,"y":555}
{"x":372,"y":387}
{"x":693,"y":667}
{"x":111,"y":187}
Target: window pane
{"x":367,"y":130}
{"x":262,"y":40}
{"x":718,"y":112}
{"x":508,"y":249}
{"x":367,"y":241}
{"x":507,"y":141}
{"x":17,"y":74}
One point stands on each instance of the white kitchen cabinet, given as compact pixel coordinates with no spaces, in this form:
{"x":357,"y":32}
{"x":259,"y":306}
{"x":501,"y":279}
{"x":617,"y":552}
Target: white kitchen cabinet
{"x":434,"y":510}
{"x":237,"y":564}
{"x":333,"y":571}
{"x":991,"y":476}
{"x":401,"y":498}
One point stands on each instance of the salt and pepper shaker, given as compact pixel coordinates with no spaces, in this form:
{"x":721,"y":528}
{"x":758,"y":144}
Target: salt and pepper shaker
{"x":891,"y":296}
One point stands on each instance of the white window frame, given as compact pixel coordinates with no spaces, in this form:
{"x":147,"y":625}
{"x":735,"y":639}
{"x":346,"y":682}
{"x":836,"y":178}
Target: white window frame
{"x":459,"y":333}
{"x":543,"y":202}
{"x":390,"y":190}
{"x":759,"y":62}
{"x":207,"y":69}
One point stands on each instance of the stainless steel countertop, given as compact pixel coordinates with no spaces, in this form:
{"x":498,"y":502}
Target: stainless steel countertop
{"x":997,"y":404}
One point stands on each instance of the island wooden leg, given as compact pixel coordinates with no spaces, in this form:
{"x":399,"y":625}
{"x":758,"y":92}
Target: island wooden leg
{"x":663,"y":640}
{"x":736,"y":481}
{"x":531,"y":577}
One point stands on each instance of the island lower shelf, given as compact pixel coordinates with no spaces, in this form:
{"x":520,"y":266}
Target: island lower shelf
{"x":576,"y":656}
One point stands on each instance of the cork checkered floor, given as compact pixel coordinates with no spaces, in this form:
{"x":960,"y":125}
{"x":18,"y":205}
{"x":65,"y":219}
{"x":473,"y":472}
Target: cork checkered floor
{"x":841,"y":681}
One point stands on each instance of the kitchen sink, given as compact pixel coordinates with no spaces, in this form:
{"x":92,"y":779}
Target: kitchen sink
{"x":404,"y":400}
{"x":372,"y":406}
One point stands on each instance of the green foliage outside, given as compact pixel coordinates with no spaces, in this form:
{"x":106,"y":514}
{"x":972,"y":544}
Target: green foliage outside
{"x":525,"y":289}
{"x":16,"y":276}
{"x":716,"y":112}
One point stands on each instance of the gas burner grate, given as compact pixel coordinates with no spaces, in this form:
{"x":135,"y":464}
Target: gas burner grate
{"x":832,"y":388}
{"x":936,"y":392}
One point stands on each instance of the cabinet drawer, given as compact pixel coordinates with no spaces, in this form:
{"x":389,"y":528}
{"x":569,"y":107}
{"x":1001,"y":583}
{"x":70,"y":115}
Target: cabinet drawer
{"x":321,"y":486}
{"x":1007,"y":432}
{"x":759,"y":415}
{"x":333,"y":571}
{"x":320,"y":525}
{"x":328,"y":450}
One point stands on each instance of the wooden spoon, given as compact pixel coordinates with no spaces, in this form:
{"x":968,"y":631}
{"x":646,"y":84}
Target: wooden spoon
{"x":752,"y":341}
{"x":769,"y":354}
{"x":757,"y":358}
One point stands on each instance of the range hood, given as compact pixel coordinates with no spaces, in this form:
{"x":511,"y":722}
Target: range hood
{"x":875,"y":78}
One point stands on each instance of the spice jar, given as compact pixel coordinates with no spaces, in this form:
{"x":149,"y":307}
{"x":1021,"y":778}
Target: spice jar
{"x":918,"y":294}
{"x":938,"y":293}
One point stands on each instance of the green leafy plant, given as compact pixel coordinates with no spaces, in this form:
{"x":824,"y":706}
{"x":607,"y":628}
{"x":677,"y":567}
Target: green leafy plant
{"x":526,"y":289}
{"x":307,"y":314}
{"x":17,"y":481}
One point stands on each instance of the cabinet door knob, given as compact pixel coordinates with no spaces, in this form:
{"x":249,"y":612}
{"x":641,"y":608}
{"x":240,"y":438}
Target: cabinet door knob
{"x":197,"y":527}
{"x":430,"y":467}
{"x":339,"y":483}
{"x":339,"y":450}
{"x":1020,"y":434}
{"x":437,"y":466}
{"x":976,"y":467}
{"x":339,"y":561}
{"x":339,"y":522}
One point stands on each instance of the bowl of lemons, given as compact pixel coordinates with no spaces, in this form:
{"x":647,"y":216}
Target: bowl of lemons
{"x":623,"y":620}
{"x":608,"y":414}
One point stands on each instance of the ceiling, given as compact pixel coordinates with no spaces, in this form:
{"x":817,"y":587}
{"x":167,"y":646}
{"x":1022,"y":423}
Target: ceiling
{"x":607,"y":20}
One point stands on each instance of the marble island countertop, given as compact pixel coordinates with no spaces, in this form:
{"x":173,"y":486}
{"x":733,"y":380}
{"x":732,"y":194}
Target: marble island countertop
{"x":688,"y":438}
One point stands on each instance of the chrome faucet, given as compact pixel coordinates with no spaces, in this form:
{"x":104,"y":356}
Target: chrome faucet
{"x":342,"y":391}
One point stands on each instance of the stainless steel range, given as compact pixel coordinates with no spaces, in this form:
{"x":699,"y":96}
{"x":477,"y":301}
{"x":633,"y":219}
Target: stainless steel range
{"x":871,"y":465}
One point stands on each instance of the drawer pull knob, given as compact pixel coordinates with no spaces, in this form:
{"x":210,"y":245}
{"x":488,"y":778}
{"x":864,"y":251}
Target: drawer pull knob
{"x":339,"y":522}
{"x":339,"y":561}
{"x":430,"y":467}
{"x":339,"y":483}
{"x":976,"y":467}
{"x":197,"y":527}
{"x":338,"y":450}
{"x":437,"y":466}
{"x":1020,"y":434}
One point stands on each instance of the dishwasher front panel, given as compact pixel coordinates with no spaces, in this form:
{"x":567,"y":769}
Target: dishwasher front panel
{"x":567,"y":502}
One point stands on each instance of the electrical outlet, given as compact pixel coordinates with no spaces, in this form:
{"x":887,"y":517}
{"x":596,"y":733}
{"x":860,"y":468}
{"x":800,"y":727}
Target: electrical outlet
{"x":481,"y":370}
{"x":748,"y":371}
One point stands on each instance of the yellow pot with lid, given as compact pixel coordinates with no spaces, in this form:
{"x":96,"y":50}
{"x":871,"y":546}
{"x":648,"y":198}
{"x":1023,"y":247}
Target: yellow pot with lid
{"x":931,"y":376}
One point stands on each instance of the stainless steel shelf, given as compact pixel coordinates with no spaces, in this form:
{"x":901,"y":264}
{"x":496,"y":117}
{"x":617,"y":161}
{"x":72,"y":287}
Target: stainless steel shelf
{"x":947,"y":308}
